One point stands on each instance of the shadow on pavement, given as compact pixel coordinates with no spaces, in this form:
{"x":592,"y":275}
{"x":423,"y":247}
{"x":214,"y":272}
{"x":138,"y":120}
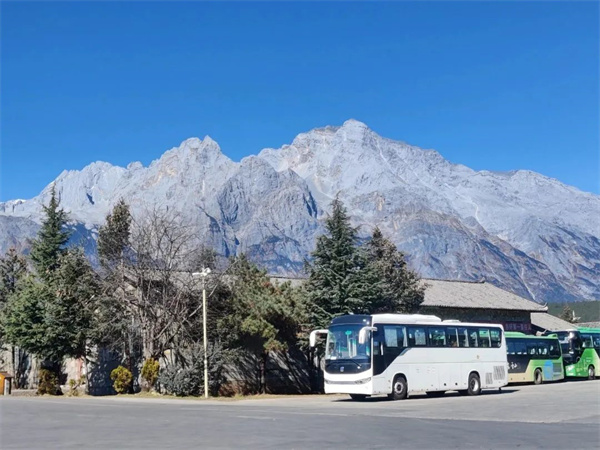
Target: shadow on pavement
{"x":384,"y":398}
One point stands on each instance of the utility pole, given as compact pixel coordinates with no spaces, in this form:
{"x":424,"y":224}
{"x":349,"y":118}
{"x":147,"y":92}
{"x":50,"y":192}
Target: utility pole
{"x":204,"y":273}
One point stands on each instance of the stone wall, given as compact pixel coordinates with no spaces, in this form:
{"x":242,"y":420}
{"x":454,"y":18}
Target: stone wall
{"x":21,"y":365}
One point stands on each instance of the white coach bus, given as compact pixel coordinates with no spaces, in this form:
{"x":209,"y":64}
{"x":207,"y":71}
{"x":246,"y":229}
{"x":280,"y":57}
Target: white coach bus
{"x":400,"y":354}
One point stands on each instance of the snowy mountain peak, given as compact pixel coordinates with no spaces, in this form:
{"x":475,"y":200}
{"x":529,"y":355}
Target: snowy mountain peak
{"x":521,"y":230}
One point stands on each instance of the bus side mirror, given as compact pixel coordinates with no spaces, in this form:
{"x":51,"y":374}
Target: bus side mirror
{"x":312,"y":340}
{"x":362,"y":334}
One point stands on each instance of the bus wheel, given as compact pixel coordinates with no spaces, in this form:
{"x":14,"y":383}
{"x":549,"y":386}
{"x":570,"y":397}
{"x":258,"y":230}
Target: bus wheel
{"x":474,"y":384}
{"x":358,"y":397}
{"x":591,"y":373}
{"x":537,"y":377}
{"x":399,"y":388}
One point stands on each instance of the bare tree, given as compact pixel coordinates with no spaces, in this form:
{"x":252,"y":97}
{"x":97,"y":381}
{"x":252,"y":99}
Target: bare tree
{"x":162,"y":295}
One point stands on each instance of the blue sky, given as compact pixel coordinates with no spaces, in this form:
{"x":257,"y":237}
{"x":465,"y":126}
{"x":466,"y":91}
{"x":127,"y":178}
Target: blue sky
{"x":492,"y":85}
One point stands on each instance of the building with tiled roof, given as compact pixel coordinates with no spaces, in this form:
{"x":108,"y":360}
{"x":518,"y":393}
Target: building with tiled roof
{"x":543,"y":322}
{"x":478,"y":301}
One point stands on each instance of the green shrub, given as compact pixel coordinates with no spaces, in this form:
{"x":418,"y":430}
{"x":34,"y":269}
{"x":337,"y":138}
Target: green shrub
{"x":73,"y":385}
{"x":150,"y":372}
{"x":122,"y":378}
{"x":48,"y":383}
{"x":189,"y":380}
{"x":182,"y":381}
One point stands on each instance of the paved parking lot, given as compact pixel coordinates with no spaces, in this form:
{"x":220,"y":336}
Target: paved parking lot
{"x":562,"y":415}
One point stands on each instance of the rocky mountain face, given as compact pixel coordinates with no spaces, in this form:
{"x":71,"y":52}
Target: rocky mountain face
{"x":522,"y":231}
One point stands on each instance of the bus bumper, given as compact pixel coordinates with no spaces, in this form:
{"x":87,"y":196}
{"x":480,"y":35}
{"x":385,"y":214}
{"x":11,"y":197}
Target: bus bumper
{"x":364,"y":387}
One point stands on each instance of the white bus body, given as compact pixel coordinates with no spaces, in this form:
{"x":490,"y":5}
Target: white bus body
{"x":399,"y":354}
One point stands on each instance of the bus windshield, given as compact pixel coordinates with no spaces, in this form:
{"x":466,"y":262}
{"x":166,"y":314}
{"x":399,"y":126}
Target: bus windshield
{"x":342,"y":343}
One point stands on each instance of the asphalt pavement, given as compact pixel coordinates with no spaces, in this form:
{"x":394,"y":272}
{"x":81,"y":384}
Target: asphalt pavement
{"x":551,"y":416}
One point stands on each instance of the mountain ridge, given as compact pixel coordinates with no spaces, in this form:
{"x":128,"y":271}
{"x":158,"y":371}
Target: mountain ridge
{"x":521,"y":230}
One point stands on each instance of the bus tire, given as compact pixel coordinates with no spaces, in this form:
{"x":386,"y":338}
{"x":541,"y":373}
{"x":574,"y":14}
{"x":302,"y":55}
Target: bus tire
{"x":399,"y":388}
{"x":474,"y":387}
{"x":537,"y":377}
{"x":591,"y":373}
{"x":358,"y":397}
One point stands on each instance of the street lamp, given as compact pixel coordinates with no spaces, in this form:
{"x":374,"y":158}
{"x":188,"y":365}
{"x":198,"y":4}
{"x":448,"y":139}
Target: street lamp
{"x":204,"y":273}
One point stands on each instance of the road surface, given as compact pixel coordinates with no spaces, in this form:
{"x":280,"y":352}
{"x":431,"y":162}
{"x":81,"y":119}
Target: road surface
{"x":550,"y":416}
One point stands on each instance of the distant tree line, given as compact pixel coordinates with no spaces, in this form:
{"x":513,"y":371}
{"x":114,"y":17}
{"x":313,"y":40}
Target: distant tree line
{"x":144,"y":303}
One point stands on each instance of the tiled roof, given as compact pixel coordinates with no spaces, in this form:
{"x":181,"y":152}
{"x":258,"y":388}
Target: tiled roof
{"x":588,"y":325}
{"x":480,"y":295}
{"x":549,"y":322}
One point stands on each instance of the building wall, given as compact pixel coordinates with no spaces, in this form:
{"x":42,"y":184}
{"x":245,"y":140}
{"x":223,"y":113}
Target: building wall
{"x":512,"y":320}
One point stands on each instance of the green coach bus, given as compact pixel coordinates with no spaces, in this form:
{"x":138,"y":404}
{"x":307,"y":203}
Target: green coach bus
{"x":581,"y":352}
{"x":533,"y":359}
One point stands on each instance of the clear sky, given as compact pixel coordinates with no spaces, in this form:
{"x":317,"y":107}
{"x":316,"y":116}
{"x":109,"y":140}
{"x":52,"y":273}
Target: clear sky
{"x":492,"y":85}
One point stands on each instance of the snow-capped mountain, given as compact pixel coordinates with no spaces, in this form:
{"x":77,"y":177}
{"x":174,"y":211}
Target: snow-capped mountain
{"x":522,"y":231}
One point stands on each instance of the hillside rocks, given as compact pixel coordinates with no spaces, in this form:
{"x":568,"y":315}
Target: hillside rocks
{"x":522,"y":231}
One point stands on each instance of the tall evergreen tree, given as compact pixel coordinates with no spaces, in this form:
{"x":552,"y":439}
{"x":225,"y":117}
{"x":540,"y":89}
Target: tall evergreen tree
{"x":24,"y":321}
{"x":51,"y":239}
{"x":263,"y":318}
{"x":114,"y":317}
{"x":336,"y":285}
{"x":52,"y":319}
{"x":398,"y":286}
{"x":70,"y":313}
{"x":12,"y":268}
{"x":49,"y":316}
{"x":113,"y":237}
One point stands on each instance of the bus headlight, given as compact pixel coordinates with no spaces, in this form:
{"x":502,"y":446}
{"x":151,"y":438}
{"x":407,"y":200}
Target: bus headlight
{"x":363,"y":381}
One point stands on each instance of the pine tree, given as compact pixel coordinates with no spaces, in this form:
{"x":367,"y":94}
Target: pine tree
{"x":112,"y":327}
{"x":51,"y":239}
{"x":12,"y":268}
{"x":52,"y":319}
{"x":336,"y":285}
{"x":50,"y":315}
{"x":113,"y":237}
{"x":24,"y":322}
{"x":70,"y":313}
{"x":398,"y":286}
{"x":264,"y":318}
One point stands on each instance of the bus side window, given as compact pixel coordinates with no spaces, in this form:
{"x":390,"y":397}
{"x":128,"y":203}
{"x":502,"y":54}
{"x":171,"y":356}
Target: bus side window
{"x":437,"y":337}
{"x":394,"y":336}
{"x":473,"y":337}
{"x":484,"y":337}
{"x":496,"y":337}
{"x":520,"y":347}
{"x":543,"y":348}
{"x":417,"y":337}
{"x":376,"y":347}
{"x":452,"y":337}
{"x":510,"y":347}
{"x":531,"y":349}
{"x":555,"y":350}
{"x":463,"y":337}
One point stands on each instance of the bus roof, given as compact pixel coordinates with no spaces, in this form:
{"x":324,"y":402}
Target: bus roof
{"x":518,"y":334}
{"x":589,"y":330}
{"x":404,"y":319}
{"x":423,"y":319}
